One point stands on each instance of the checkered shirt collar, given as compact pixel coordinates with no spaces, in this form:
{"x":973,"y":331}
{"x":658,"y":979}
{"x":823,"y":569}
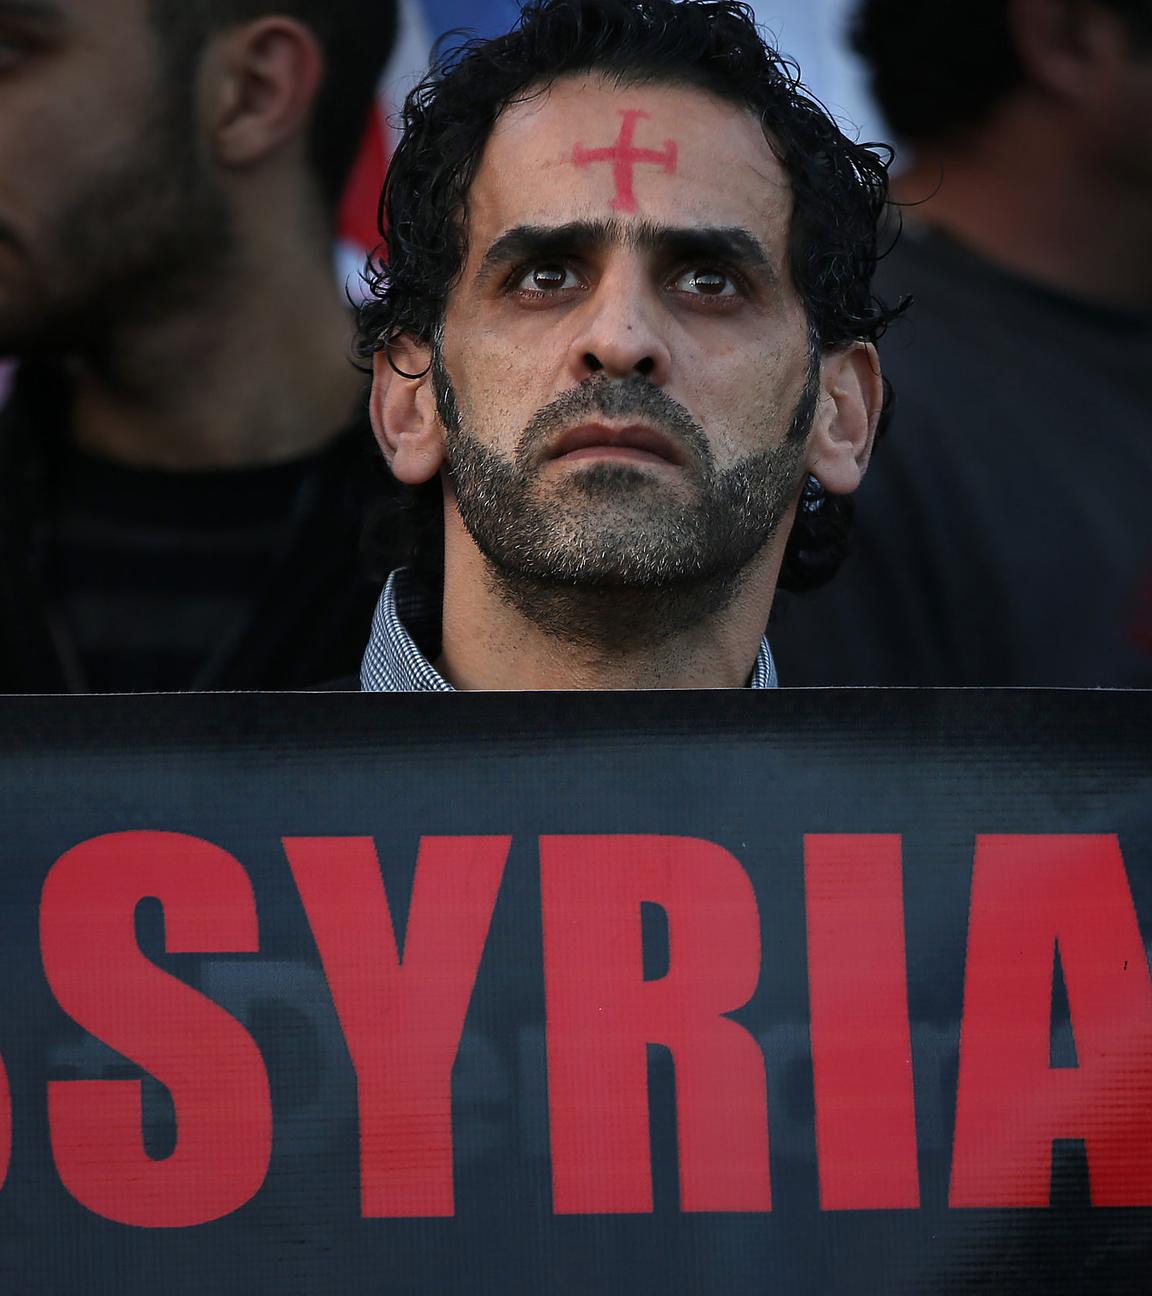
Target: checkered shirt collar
{"x":394,"y":664}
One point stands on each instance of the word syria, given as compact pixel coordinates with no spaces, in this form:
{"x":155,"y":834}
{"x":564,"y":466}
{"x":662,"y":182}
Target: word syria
{"x":403,"y":1018}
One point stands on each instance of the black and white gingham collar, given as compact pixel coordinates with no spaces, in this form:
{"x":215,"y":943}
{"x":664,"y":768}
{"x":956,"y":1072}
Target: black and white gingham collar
{"x":393,"y":663}
{"x":406,"y":614}
{"x":764,"y":672}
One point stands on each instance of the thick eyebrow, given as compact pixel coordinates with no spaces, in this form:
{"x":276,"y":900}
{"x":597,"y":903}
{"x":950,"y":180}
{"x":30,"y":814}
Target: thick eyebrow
{"x":730,"y":244}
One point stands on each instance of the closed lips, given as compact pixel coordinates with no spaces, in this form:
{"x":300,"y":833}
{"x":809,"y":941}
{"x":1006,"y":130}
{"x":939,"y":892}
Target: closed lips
{"x":645,"y":441}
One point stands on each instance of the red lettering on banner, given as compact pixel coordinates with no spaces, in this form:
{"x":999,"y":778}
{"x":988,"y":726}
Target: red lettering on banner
{"x":206,"y":1059}
{"x":1028,"y":893}
{"x":5,"y":1124}
{"x":402,"y":1017}
{"x":624,"y":156}
{"x":602,"y":1014}
{"x":861,"y":1045}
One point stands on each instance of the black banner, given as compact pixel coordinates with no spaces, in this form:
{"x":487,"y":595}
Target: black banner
{"x":797,"y":992}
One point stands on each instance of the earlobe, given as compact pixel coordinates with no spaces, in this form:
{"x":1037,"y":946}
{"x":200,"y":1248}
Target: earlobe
{"x":845,"y":425}
{"x":403,"y":412}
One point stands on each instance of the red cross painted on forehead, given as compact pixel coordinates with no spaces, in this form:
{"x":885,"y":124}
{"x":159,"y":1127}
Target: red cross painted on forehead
{"x":624,"y":158}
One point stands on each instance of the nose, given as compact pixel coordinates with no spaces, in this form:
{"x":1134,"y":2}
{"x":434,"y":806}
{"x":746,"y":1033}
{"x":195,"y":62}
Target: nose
{"x":620,"y":332}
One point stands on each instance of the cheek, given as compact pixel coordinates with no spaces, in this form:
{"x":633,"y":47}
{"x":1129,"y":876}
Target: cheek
{"x":745,"y":402}
{"x":487,"y":397}
{"x":499,"y":386}
{"x":34,"y":159}
{"x":744,"y":386}
{"x":50,"y":168}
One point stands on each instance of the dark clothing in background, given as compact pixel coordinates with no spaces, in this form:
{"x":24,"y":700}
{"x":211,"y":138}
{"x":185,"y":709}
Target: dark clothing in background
{"x":1003,"y":534}
{"x":121,"y":579}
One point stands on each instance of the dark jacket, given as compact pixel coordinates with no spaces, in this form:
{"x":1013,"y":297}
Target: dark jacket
{"x":311,"y":622}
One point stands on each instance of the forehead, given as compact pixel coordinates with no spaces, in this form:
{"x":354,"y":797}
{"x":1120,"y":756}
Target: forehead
{"x":588,"y":149}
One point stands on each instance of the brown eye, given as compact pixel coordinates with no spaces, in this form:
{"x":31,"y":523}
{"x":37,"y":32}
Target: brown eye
{"x":551,"y":276}
{"x":705,"y":283}
{"x":547,"y":277}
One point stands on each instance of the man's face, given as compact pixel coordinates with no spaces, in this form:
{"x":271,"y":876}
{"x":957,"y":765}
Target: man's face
{"x":625,"y":374}
{"x":104,"y":207}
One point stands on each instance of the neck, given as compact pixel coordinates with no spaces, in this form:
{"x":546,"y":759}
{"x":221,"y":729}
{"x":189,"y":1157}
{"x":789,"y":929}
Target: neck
{"x":254,"y":372}
{"x":1029,"y":200}
{"x":498,"y":637}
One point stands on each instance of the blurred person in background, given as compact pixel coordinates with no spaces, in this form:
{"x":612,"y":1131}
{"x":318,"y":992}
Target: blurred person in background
{"x":1004,"y":535}
{"x":183,"y":460}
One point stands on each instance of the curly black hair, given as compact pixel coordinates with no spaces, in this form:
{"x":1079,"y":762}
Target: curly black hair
{"x":839,"y":186}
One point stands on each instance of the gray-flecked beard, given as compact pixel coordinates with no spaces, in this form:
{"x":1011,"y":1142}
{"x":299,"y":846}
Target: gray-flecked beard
{"x":616,"y":556}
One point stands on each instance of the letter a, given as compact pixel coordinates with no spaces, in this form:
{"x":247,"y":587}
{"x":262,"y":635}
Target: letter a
{"x":1028,"y":894}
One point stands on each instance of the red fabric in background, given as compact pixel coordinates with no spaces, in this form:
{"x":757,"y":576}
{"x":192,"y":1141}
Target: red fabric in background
{"x":361,"y":198}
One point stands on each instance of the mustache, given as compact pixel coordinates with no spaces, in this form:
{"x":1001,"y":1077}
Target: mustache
{"x":634,"y":398}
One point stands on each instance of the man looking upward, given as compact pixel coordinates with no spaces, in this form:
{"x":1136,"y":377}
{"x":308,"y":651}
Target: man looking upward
{"x":625,"y":322}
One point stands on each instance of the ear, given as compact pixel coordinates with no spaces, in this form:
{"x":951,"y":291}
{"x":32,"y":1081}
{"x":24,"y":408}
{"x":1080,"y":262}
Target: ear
{"x":844,"y":428}
{"x":1068,"y":48}
{"x":260,"y":85}
{"x":403,"y":412}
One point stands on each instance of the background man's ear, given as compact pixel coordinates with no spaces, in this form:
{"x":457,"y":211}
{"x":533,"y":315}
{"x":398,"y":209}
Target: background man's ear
{"x":403,"y":412}
{"x":1074,"y":51}
{"x":259,"y":85}
{"x":845,"y":424}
